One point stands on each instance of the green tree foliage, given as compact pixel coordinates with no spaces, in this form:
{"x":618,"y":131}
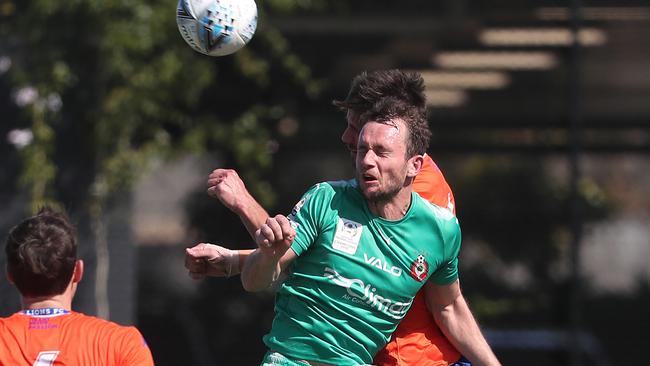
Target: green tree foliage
{"x":104,"y":87}
{"x":114,"y":81}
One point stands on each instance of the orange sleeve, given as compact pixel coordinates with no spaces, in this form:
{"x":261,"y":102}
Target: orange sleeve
{"x":431,"y":185}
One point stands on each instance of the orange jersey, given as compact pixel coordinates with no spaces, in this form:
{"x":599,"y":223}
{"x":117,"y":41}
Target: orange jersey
{"x":431,"y":185}
{"x":417,"y":339}
{"x":57,"y":337}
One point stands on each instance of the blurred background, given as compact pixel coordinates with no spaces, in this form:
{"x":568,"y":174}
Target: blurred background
{"x":541,"y":120}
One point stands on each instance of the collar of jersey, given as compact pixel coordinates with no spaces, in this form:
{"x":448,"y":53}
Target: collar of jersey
{"x":373,"y":217}
{"x":45,"y":312}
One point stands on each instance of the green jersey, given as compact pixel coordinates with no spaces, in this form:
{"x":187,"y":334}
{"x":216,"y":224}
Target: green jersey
{"x":356,"y":274}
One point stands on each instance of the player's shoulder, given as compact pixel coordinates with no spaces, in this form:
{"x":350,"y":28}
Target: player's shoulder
{"x":12,"y":320}
{"x":338,"y":185}
{"x":94,"y":324}
{"x":442,"y":215}
{"x":6,"y":321}
{"x":124,"y":342}
{"x":430,"y":177}
{"x":333,"y":188}
{"x":439,"y":212}
{"x":430,"y":166}
{"x":446,"y":223}
{"x":324,"y":196}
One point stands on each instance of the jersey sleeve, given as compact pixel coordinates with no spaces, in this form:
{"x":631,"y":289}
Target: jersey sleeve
{"x":448,"y":271}
{"x":308,"y":214}
{"x":134,"y":349}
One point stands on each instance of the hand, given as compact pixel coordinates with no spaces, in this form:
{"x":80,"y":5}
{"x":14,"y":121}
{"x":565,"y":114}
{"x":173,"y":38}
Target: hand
{"x":275,"y":237}
{"x":211,"y":260}
{"x":225,"y":185}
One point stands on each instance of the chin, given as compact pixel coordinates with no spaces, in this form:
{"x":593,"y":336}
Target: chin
{"x":371,"y":194}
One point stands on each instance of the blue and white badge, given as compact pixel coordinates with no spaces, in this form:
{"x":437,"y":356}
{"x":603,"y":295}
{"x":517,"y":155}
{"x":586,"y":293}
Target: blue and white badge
{"x":347,"y":236}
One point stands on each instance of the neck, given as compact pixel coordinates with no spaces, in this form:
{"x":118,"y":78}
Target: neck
{"x":61,"y":301}
{"x":394,"y":208}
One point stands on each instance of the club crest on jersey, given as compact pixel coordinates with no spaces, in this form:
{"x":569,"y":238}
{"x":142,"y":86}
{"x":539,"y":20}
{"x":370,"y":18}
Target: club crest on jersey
{"x":419,"y":268}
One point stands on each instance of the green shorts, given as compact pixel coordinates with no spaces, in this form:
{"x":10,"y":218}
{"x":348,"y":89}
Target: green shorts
{"x":278,"y":359}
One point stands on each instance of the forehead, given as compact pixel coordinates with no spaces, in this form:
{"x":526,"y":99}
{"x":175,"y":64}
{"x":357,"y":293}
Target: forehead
{"x":383,"y":132}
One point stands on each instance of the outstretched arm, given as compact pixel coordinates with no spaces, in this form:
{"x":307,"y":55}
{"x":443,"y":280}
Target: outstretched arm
{"x":272,"y":256}
{"x":453,"y":316}
{"x":211,"y":260}
{"x":227,"y":186}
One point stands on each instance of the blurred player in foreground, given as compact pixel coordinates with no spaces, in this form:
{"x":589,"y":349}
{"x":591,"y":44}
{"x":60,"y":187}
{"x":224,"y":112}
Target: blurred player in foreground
{"x":42,"y":263}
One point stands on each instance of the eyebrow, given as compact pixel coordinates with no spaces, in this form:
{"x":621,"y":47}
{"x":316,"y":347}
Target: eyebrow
{"x":376,"y":146}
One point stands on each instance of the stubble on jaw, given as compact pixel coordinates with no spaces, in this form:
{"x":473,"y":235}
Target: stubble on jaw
{"x":380,"y":198}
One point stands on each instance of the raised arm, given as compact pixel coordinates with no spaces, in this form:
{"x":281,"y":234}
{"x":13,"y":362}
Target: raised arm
{"x":212,"y":260}
{"x":453,"y":316}
{"x":272,"y":256}
{"x":227,"y":186}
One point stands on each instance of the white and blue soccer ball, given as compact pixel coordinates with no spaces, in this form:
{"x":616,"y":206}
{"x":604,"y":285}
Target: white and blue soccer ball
{"x":216,"y":27}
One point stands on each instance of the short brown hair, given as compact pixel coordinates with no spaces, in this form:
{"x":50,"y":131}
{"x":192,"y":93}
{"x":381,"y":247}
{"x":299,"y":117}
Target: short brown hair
{"x":388,"y":109}
{"x":41,"y":253}
{"x":368,"y":88}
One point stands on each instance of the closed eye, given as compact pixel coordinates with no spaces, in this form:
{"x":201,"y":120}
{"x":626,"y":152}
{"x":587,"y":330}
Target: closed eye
{"x":381,"y":152}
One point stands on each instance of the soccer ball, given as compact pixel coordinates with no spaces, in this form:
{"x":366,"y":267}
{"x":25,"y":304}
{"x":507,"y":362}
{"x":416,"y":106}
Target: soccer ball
{"x":216,"y":27}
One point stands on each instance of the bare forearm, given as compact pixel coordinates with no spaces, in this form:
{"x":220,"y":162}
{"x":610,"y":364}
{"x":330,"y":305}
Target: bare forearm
{"x":227,"y":187}
{"x":273,"y":254}
{"x":459,"y":326}
{"x":259,"y":271}
{"x":251,"y":213}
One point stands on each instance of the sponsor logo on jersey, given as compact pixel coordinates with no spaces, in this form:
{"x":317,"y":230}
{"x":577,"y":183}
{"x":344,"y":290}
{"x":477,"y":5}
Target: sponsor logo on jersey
{"x":377,"y":263}
{"x":359,"y":292}
{"x":41,"y":322}
{"x":419,"y":268}
{"x":347,"y":236}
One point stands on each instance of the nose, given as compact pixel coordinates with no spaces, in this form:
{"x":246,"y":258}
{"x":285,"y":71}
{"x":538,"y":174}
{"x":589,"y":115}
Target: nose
{"x":365,"y":158}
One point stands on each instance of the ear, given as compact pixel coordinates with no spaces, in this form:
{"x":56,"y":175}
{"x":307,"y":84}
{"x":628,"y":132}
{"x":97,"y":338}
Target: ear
{"x":78,"y":272}
{"x":414,"y":165}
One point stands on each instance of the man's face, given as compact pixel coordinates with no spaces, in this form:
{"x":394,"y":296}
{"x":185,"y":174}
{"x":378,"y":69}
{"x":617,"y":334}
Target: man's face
{"x":351,"y":134}
{"x":381,"y":160}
